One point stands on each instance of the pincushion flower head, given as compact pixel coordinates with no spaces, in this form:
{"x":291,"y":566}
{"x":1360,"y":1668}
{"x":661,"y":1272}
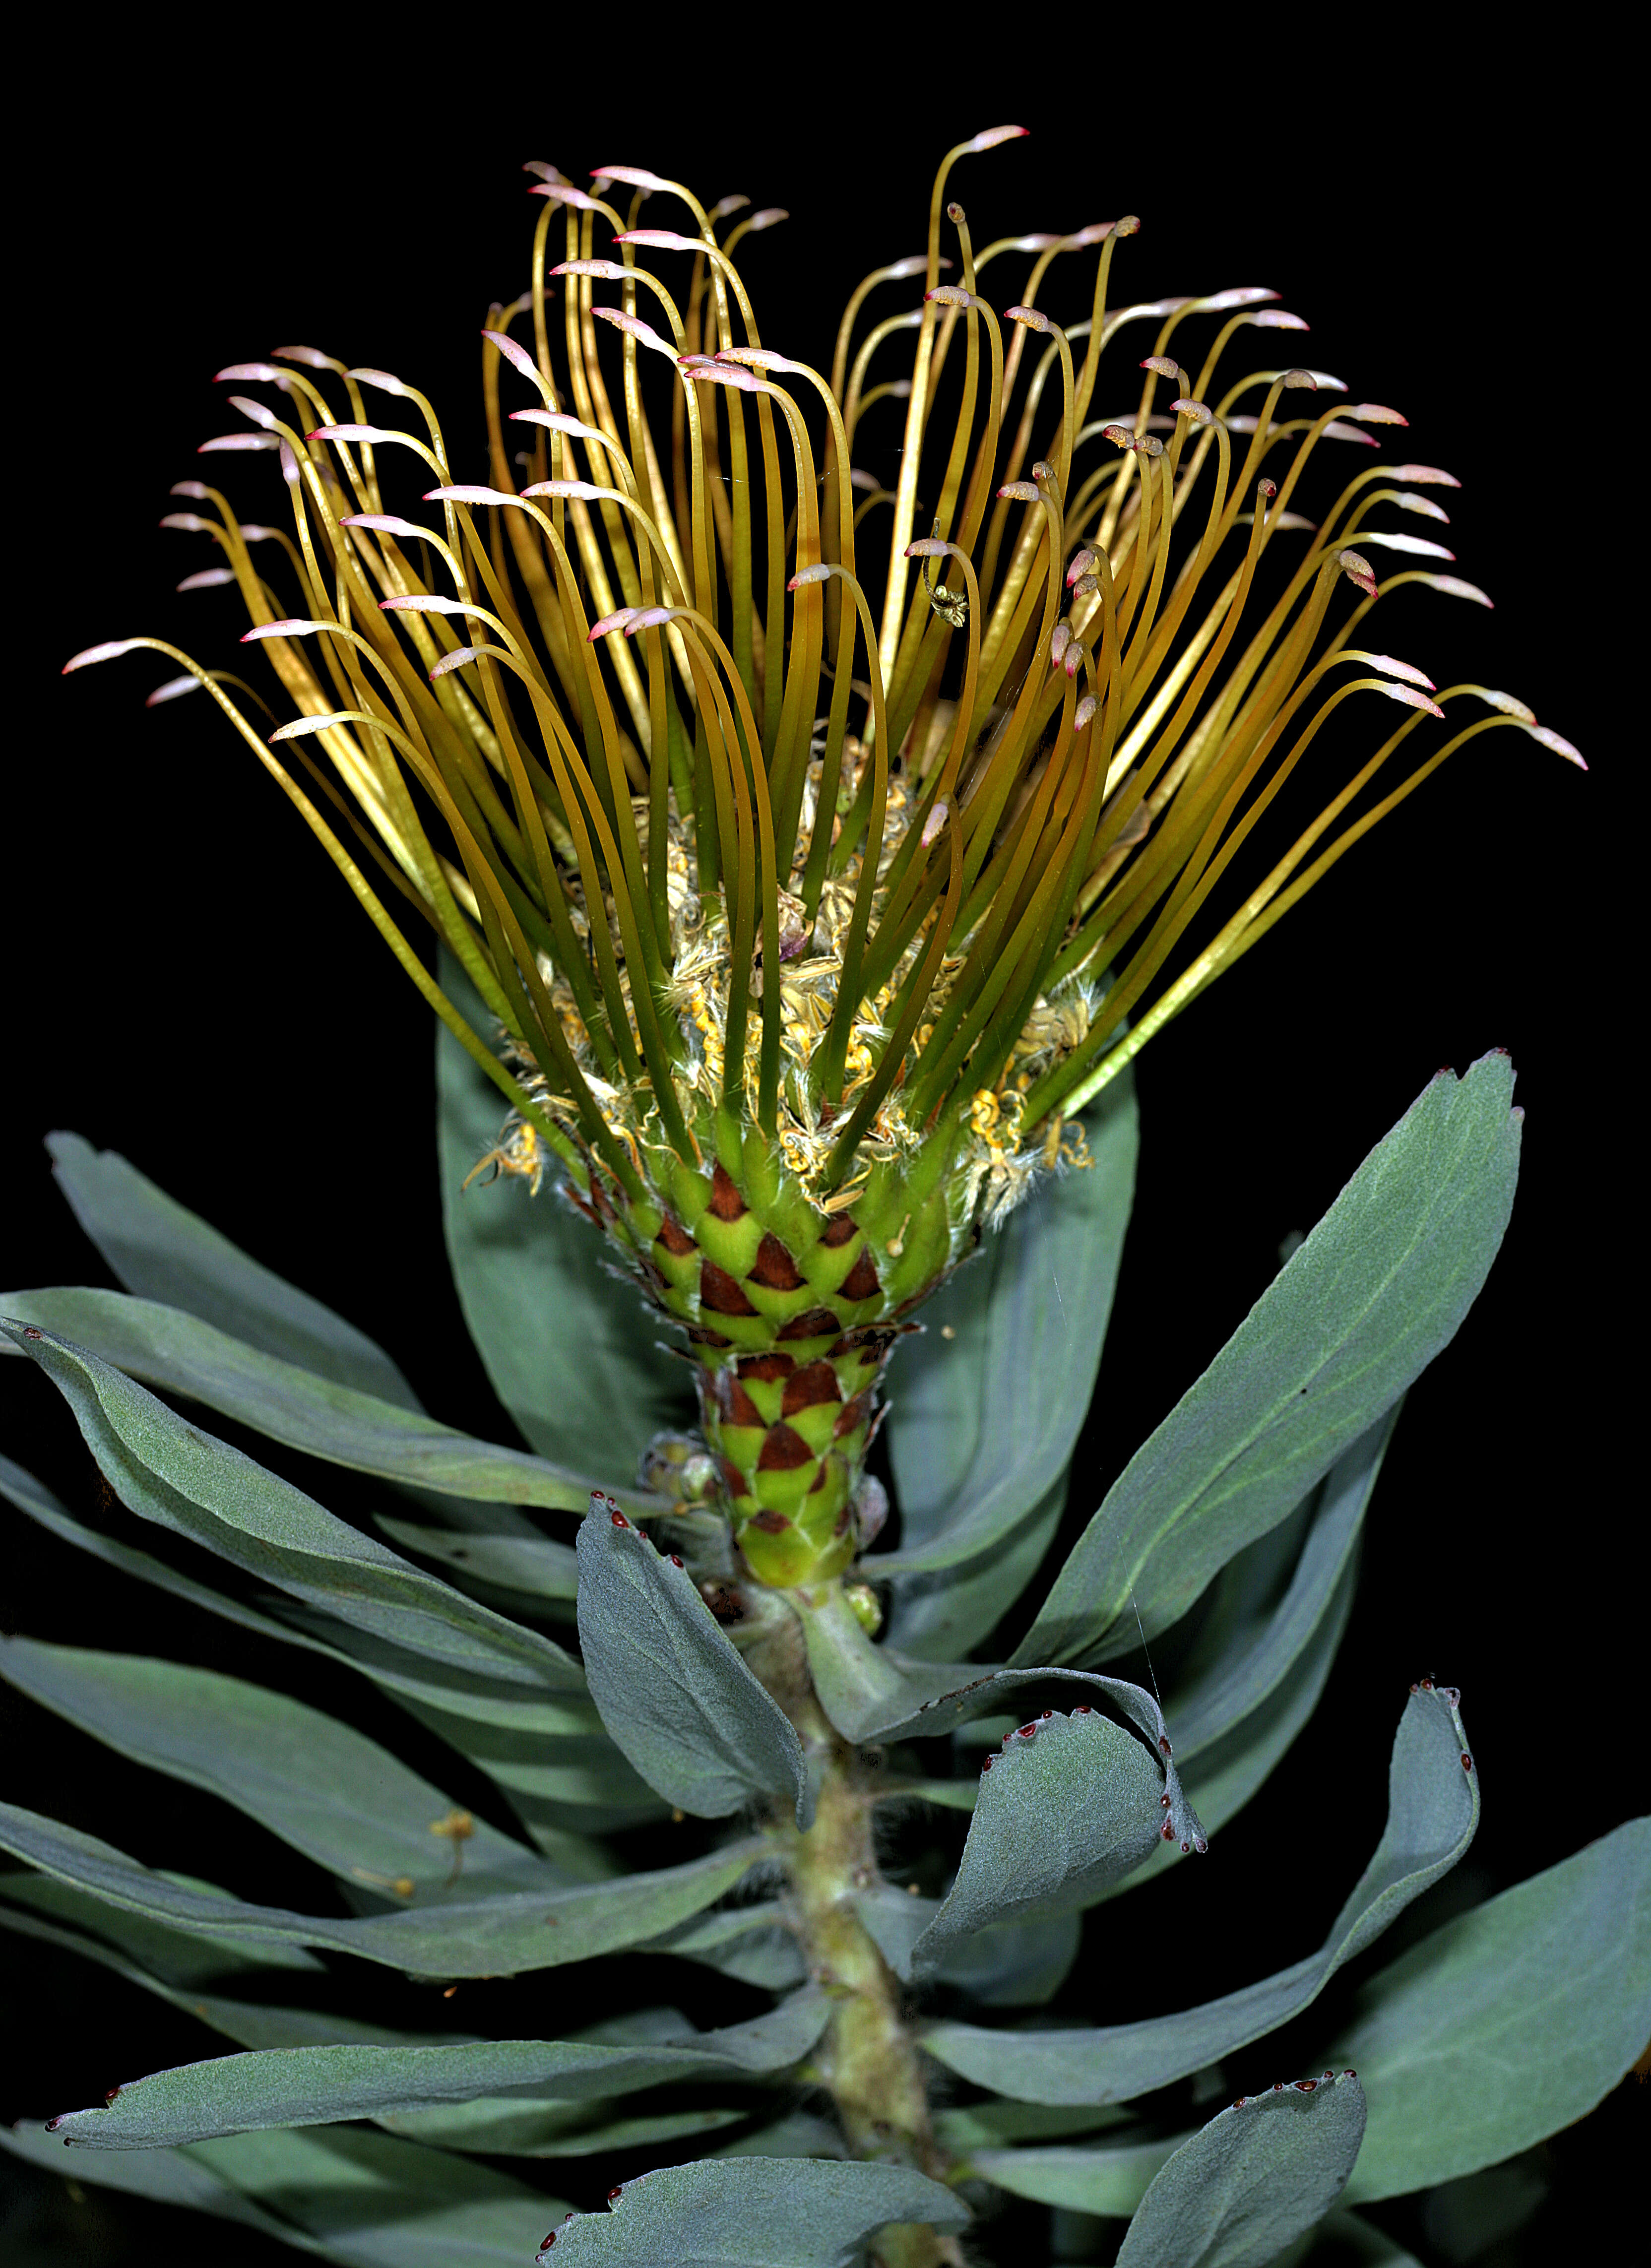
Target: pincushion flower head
{"x":817,"y":852}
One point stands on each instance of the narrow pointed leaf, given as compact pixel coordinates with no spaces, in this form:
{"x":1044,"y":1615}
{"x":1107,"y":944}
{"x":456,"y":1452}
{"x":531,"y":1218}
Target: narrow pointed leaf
{"x":486,"y":1937}
{"x":322,"y":1787}
{"x":982,"y":1426}
{"x":1260,"y":2174}
{"x":302,"y":2087}
{"x":1511,"y":2022}
{"x":571,"y":1352}
{"x":170,"y":1472}
{"x":1363,"y":1305}
{"x":159,"y":1250}
{"x":1110,"y":2178}
{"x":1433,"y":1811}
{"x":533,"y":1564}
{"x":753,"y":2212}
{"x":165,"y":1348}
{"x":675,"y":1695}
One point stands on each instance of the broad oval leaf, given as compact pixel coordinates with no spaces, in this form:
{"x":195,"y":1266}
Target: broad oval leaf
{"x":320,"y":2086}
{"x":571,"y":1352}
{"x":1258,"y":2176}
{"x":170,"y":1472}
{"x":676,"y":1697}
{"x":751,"y":2212}
{"x":159,"y":1249}
{"x":1433,"y":1811}
{"x":484,"y":1937}
{"x":1358,"y":1311}
{"x":1073,"y":1803}
{"x":1509,"y":2022}
{"x":320,"y":1785}
{"x":179,"y":1353}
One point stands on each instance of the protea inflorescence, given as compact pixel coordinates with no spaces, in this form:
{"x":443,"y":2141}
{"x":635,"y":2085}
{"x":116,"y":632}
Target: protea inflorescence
{"x":795,"y":1007}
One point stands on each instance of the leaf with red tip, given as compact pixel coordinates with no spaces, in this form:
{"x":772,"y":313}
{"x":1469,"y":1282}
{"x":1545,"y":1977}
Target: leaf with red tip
{"x":673,"y":1692}
{"x":356,"y":434}
{"x":198,"y":490}
{"x":291,"y":626}
{"x":264,"y":372}
{"x":610,"y":271}
{"x":1275,"y":318}
{"x":609,"y":623}
{"x":174,"y":689}
{"x":1201,"y":411}
{"x":1022,"y":491}
{"x":1338,"y":431}
{"x":1375,"y":413}
{"x":1027,"y":317}
{"x":1238,"y":295}
{"x":516,"y":356}
{"x":950,"y":295}
{"x":209,"y":578}
{"x":227,"y":444}
{"x":424,"y":604}
{"x":991,"y":135}
{"x":1166,"y":366}
{"x":1424,"y":505}
{"x":1426,"y":473}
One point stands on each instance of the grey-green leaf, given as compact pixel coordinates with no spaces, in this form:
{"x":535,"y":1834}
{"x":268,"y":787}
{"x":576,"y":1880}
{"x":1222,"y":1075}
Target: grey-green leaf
{"x":160,"y":1250}
{"x":675,"y":1695}
{"x":571,"y":1352}
{"x":1063,"y":1811}
{"x":1433,"y":1811}
{"x":170,"y":1471}
{"x":982,"y":1426}
{"x":1373,"y":1294}
{"x":320,"y":1785}
{"x":1110,"y":2178}
{"x":534,"y":1565}
{"x":1507,"y":2023}
{"x":342,"y":2193}
{"x":179,"y":1353}
{"x":753,"y":2212}
{"x":1260,"y":2173}
{"x":495,"y":1936}
{"x":303,"y":2086}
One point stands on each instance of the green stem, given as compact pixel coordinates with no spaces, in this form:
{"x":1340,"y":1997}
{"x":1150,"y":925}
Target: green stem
{"x":869,"y":2058}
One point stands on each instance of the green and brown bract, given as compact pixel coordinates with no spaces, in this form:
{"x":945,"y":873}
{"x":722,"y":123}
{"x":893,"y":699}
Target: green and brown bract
{"x":794,"y":914}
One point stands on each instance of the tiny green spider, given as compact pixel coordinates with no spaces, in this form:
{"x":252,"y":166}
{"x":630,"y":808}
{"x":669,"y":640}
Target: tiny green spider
{"x":951,"y":605}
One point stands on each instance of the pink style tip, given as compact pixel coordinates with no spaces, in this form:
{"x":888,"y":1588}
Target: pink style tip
{"x":106,"y":652}
{"x":992,"y":135}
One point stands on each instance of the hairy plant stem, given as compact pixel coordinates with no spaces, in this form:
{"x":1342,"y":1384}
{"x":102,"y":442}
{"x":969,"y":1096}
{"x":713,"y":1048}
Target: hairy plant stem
{"x":869,"y":2057}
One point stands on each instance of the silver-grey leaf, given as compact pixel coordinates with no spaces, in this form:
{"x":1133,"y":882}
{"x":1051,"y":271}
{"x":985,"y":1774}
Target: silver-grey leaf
{"x":1242,"y":2189}
{"x":1509,"y":2023}
{"x":675,"y":1696}
{"x":752,"y":2212}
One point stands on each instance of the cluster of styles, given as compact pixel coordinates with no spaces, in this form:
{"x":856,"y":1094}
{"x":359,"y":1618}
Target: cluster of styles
{"x":806,"y":866}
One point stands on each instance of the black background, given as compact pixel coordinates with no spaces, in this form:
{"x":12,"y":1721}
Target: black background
{"x":189,"y":984}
